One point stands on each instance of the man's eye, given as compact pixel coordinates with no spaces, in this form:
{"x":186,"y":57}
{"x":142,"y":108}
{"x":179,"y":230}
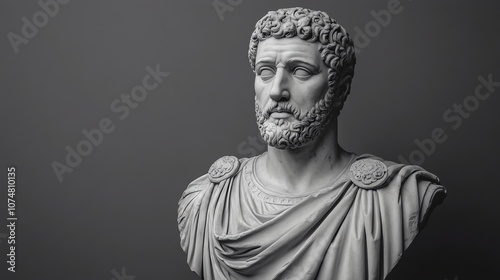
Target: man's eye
{"x":266,"y":73}
{"x":302,"y":72}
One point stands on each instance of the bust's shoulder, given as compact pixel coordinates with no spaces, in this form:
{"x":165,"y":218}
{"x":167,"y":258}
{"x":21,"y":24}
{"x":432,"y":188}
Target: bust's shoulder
{"x":225,"y":167}
{"x":221,"y":169}
{"x":368,"y":171}
{"x":411,"y":187}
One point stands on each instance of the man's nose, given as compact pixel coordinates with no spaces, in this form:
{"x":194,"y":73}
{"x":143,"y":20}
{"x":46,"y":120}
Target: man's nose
{"x":280,"y":88}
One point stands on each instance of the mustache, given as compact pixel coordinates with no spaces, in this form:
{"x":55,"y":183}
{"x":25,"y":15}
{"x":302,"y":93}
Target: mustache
{"x":282,"y":107}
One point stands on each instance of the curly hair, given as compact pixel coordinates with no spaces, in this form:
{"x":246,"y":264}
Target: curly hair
{"x":336,"y":47}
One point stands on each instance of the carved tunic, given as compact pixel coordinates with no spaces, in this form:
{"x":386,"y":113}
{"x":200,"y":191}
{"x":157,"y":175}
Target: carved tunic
{"x":233,"y":227}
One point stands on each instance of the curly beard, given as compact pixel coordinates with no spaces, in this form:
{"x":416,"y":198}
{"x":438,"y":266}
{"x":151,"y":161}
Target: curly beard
{"x":283,"y":134}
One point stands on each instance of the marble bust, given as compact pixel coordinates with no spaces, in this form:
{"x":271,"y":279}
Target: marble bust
{"x":306,"y":208}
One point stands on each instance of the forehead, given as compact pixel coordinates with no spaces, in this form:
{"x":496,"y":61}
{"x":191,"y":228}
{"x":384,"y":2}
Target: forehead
{"x":282,"y":50}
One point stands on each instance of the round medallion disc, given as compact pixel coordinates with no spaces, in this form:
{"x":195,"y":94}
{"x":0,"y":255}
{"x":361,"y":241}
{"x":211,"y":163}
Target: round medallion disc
{"x":223,"y":168}
{"x":368,"y":173}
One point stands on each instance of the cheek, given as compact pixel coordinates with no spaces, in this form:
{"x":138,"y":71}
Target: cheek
{"x":259,"y":91}
{"x":315,"y":93}
{"x":321,"y":91}
{"x":320,"y":88}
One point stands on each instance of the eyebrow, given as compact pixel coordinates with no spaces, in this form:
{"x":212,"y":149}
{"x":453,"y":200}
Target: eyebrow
{"x":288,"y":62}
{"x":295,"y":61}
{"x":265,"y":60}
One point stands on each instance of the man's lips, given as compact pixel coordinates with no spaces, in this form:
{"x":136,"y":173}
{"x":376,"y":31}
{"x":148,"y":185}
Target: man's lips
{"x":280,"y":113}
{"x":280,"y":110}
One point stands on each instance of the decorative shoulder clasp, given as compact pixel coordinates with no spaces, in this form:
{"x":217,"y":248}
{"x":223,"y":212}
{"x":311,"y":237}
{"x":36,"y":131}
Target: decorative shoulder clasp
{"x":368,"y":173}
{"x":223,"y":168}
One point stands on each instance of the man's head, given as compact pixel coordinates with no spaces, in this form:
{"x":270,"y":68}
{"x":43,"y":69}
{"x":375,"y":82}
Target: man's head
{"x":304,"y":63}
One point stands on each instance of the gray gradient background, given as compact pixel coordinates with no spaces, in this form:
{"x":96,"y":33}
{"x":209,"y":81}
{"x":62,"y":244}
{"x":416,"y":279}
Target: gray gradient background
{"x":118,"y":208}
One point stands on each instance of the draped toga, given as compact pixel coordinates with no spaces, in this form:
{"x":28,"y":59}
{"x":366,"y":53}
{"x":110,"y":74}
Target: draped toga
{"x":233,"y":227}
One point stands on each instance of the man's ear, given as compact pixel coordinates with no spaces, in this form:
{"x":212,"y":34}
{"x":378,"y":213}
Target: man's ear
{"x":344,"y":88}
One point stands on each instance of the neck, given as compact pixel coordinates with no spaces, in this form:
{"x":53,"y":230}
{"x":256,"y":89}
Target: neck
{"x":307,"y":168}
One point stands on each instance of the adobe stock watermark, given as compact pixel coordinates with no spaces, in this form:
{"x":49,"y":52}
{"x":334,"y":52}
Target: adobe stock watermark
{"x":223,"y":6}
{"x":454,"y":116}
{"x":252,"y":146}
{"x":381,"y":19}
{"x":121,"y":276}
{"x":121,"y":108}
{"x":30,"y":27}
